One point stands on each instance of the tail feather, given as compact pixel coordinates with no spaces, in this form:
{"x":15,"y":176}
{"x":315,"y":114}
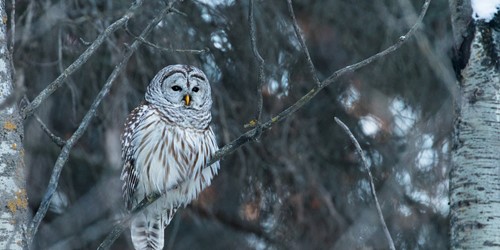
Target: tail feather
{"x":147,"y":229}
{"x":147,"y":232}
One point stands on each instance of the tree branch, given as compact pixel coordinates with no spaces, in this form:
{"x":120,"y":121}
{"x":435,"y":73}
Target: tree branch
{"x":82,"y":59}
{"x":250,"y":135}
{"x":170,"y":50}
{"x":372,"y":185}
{"x":63,"y":156}
{"x":56,"y":139}
{"x":310,"y":63}
{"x":260,"y":64}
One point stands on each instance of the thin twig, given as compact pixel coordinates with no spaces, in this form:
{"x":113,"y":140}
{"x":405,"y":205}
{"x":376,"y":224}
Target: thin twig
{"x":56,"y":139}
{"x":169,"y":50}
{"x":71,"y":84}
{"x":260,"y":63}
{"x":250,"y":135}
{"x":372,"y":185}
{"x":63,"y":156}
{"x":310,"y":63}
{"x":82,"y":59}
{"x":176,"y":11}
{"x":436,"y":58}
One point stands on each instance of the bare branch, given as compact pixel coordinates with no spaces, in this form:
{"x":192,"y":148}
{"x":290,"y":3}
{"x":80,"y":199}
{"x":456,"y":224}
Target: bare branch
{"x":176,"y":11}
{"x":170,"y":50}
{"x":260,"y":62}
{"x":56,"y":139}
{"x":63,"y":156}
{"x":438,"y":60}
{"x":82,"y":59}
{"x":372,"y":185}
{"x":394,"y":47}
{"x":310,"y":63}
{"x":250,"y":135}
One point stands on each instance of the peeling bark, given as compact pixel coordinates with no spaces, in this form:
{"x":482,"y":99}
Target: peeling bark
{"x":13,"y":198}
{"x":475,"y":174}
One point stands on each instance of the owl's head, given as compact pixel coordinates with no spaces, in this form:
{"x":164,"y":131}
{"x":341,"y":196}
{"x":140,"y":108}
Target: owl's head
{"x":181,"y":87}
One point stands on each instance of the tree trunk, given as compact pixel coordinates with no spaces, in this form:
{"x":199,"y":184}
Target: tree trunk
{"x":14,"y":203}
{"x":475,"y":174}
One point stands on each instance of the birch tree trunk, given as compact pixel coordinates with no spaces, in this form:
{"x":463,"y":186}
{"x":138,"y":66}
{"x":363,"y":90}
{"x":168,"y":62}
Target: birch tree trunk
{"x":14,"y":203}
{"x":475,"y":174}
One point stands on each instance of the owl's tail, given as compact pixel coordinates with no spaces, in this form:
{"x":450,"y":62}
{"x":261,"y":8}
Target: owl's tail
{"x":146,"y":231}
{"x":147,"y":228}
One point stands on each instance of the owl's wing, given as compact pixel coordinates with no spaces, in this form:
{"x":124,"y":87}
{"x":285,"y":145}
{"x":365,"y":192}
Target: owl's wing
{"x":130,"y":174}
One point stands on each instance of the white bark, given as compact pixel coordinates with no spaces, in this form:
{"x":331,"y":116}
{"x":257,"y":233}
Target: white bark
{"x":475,"y":175}
{"x":14,"y":203}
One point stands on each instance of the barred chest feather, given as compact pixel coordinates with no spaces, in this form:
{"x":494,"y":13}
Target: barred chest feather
{"x":171,"y":159}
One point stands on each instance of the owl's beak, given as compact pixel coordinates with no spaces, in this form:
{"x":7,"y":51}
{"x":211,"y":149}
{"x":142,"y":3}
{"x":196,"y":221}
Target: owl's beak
{"x":187,"y":99}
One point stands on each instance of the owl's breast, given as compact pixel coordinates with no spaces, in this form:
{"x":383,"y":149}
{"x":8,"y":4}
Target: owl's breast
{"x":171,"y":160}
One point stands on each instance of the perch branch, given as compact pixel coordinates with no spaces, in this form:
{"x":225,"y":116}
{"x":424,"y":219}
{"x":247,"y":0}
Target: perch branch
{"x":250,"y":135}
{"x":63,"y":156}
{"x":372,"y":185}
{"x":82,"y":59}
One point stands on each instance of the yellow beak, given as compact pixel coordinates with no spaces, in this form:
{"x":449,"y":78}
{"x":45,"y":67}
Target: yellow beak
{"x":187,"y":99}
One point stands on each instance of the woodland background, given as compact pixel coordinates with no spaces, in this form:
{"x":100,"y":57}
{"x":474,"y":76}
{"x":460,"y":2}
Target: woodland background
{"x":301,"y":186}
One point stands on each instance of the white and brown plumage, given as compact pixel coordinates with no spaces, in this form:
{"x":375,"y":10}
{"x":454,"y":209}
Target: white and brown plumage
{"x":166,"y":146}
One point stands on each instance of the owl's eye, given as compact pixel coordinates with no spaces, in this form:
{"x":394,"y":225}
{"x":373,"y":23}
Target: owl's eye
{"x":176,"y":88}
{"x":196,"y":89}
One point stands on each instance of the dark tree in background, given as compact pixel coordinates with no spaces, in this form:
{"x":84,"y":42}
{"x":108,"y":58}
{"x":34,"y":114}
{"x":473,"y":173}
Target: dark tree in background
{"x":301,"y":185}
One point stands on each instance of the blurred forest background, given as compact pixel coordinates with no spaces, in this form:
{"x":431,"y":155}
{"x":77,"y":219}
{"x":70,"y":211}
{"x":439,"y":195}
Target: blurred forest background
{"x":302,"y":186}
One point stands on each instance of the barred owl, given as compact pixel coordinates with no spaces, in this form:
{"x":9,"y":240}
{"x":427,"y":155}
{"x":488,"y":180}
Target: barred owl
{"x":166,"y":146}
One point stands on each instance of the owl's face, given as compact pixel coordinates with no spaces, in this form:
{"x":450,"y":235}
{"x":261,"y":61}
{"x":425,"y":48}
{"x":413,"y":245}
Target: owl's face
{"x":180,"y":86}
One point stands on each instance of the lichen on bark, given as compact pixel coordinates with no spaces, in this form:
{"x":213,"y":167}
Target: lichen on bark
{"x":13,"y":197}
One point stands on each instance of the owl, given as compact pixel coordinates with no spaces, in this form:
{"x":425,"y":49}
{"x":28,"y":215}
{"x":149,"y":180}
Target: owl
{"x":167,"y":143}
